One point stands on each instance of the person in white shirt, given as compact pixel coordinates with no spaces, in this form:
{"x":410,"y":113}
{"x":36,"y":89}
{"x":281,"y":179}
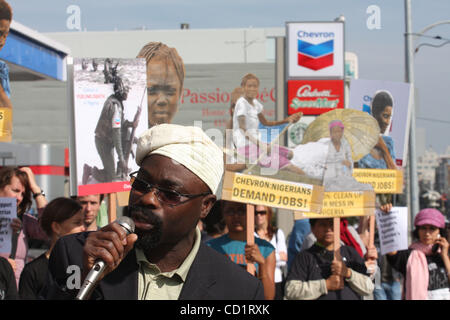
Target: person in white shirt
{"x":248,"y":113}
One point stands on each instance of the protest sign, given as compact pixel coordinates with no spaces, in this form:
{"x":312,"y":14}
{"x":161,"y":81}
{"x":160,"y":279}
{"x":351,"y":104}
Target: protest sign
{"x":8,"y":211}
{"x":270,"y":192}
{"x":396,"y":99}
{"x":393,"y":229}
{"x":343,"y":204}
{"x":109,"y":109}
{"x":5,"y":124}
{"x":382,"y":181}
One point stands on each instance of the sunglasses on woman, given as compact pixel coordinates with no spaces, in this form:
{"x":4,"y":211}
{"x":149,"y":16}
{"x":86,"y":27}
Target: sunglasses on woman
{"x":263,"y":212}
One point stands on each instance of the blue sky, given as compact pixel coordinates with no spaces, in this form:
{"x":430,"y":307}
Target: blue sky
{"x":380,"y":51}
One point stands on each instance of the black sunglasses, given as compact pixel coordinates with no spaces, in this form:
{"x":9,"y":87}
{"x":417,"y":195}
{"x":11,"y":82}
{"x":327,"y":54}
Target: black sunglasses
{"x":167,"y":196}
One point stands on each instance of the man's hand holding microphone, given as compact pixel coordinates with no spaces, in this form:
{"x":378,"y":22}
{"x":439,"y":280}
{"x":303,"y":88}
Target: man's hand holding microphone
{"x":104,"y":250}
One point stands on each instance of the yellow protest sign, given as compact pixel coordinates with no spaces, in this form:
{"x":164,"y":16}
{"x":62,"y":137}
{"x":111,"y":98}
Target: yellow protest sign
{"x":382,"y":180}
{"x":275,"y":193}
{"x":343,"y":204}
{"x":5,"y":125}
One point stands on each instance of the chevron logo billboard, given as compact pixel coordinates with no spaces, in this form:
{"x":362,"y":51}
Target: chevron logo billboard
{"x":315,"y":50}
{"x":315,"y":56}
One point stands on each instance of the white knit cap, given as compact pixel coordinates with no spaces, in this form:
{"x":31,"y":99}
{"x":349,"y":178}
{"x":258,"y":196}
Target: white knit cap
{"x":189,"y":146}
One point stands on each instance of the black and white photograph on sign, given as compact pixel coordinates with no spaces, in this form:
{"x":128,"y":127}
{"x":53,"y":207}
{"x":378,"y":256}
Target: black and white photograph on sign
{"x":110,"y":111}
{"x":337,"y":139}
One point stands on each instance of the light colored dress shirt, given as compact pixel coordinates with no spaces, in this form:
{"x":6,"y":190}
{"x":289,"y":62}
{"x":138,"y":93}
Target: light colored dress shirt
{"x":156,"y":285}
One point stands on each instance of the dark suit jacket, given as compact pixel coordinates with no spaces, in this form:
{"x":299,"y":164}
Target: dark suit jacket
{"x":212,"y":276}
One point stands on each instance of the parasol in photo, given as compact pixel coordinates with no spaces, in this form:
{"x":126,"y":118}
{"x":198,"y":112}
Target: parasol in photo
{"x":361,"y":130}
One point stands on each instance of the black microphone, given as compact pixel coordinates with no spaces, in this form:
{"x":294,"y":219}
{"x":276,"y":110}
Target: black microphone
{"x":99,"y":267}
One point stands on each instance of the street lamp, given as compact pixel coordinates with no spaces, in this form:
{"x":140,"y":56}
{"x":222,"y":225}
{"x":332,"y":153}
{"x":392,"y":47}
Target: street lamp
{"x":427,"y":28}
{"x":409,"y":77}
{"x":413,"y":185}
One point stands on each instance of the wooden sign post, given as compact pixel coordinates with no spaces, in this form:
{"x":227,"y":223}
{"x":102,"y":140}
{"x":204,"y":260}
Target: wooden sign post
{"x":371,"y":231}
{"x":112,"y":207}
{"x":337,"y":238}
{"x":251,"y":234}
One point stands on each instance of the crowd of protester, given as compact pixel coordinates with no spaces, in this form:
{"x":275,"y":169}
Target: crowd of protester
{"x":190,"y":245}
{"x":313,"y":273}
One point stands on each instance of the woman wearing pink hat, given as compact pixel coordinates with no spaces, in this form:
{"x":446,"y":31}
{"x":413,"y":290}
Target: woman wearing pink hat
{"x":426,"y":264}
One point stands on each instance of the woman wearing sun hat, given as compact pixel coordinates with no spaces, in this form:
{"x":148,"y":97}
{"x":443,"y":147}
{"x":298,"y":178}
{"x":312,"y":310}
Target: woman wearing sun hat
{"x":425,"y":265}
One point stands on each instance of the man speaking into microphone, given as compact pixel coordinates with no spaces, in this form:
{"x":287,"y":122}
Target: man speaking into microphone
{"x":180,"y":171}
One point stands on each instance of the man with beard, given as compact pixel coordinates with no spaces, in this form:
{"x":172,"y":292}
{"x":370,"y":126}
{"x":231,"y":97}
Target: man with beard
{"x":180,"y":170}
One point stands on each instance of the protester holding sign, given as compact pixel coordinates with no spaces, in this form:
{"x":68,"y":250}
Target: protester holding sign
{"x":349,"y":236}
{"x":233,"y":244}
{"x":317,"y":274}
{"x":21,"y":184}
{"x":62,"y":216}
{"x":426,"y":264}
{"x":389,"y":232}
{"x":382,"y":156}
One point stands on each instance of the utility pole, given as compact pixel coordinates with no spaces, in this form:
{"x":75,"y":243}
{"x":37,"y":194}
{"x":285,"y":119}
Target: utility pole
{"x":409,"y":77}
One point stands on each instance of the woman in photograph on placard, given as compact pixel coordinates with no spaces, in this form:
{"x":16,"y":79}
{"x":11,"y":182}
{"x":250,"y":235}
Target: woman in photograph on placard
{"x":382,"y":155}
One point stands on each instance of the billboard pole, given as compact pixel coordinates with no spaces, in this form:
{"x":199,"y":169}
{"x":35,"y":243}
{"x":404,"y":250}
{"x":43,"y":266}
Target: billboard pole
{"x":409,"y":77}
{"x":284,"y":221}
